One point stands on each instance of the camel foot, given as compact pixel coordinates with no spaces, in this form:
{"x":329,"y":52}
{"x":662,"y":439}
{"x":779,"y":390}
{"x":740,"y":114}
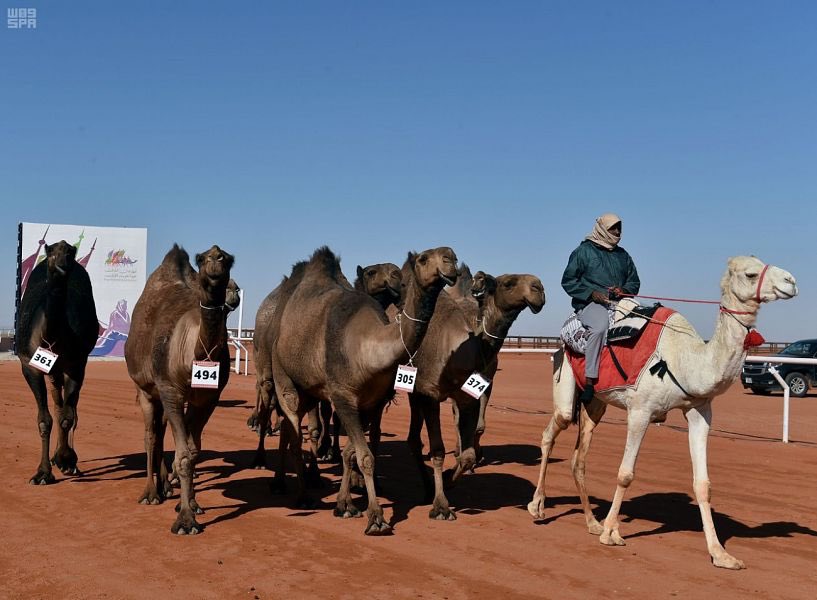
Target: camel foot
{"x":329,"y":456}
{"x":307,"y":503}
{"x":536,"y":508}
{"x":259,"y":461}
{"x":727,"y":561}
{"x":594,"y":527}
{"x":167,"y":489}
{"x":150,"y":496}
{"x":377,"y":526}
{"x":613,"y":538}
{"x":349,"y":511}
{"x":186,"y":524}
{"x":278,"y":486}
{"x":442,"y":513}
{"x":42,"y":477}
{"x":66,"y":461}
{"x":252,"y":422}
{"x":194,"y":507}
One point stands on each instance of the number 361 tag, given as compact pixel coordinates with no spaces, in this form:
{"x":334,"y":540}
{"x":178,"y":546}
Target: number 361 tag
{"x":43,"y":360}
{"x":205,"y":374}
{"x":476,"y":385}
{"x":406,"y":376}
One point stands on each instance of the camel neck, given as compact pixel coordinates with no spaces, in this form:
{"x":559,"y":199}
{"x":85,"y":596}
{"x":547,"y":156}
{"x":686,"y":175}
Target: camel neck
{"x":495,"y":325}
{"x":55,"y":302}
{"x":724,"y":354}
{"x":413,"y":324}
{"x":213,"y":328}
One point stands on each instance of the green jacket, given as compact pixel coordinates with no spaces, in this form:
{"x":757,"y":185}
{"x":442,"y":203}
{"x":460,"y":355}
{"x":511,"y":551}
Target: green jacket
{"x":593,"y":268}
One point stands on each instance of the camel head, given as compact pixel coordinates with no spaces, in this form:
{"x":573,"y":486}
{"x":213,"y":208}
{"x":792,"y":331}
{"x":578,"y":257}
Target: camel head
{"x":433,"y":268}
{"x":515,"y":292}
{"x":482,"y":285}
{"x":383,"y":282}
{"x":750,"y":281}
{"x":233,"y":298}
{"x":60,"y":258}
{"x":214,"y":269}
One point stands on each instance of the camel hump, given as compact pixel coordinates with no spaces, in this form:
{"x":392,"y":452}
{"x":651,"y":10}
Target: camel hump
{"x":177,"y":260}
{"x":326,"y":262}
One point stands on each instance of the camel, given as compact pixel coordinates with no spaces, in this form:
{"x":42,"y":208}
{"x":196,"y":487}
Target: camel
{"x":381,"y":282}
{"x":57,"y":313}
{"x":179,"y":318}
{"x":704,"y":370}
{"x":455,"y":347}
{"x":337,"y":344}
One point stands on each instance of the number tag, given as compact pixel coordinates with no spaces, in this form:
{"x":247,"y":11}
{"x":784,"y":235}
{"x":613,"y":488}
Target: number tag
{"x":205,"y":374}
{"x":476,"y":385}
{"x":43,"y":360}
{"x":406,"y":376}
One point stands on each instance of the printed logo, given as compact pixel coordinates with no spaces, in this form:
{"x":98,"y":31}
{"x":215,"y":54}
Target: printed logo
{"x":119,"y":266}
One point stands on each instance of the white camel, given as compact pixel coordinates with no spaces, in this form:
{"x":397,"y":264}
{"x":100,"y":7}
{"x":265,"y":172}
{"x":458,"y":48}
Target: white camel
{"x":704,"y":370}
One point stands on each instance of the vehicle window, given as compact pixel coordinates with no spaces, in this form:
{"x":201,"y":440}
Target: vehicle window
{"x":800,"y":349}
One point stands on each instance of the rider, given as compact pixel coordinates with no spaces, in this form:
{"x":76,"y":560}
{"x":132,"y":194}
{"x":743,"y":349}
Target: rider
{"x":598,"y":273}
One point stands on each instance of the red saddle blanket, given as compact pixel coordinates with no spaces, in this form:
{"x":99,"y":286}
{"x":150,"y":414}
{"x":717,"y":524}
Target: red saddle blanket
{"x":632,"y":355}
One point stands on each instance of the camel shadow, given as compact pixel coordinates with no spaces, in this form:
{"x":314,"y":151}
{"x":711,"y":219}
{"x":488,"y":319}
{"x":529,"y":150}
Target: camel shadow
{"x":523,"y":454}
{"x":675,"y":511}
{"x":131,"y":465}
{"x":234,"y":403}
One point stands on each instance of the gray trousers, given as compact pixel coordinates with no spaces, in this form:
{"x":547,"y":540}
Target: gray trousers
{"x":597,"y":321}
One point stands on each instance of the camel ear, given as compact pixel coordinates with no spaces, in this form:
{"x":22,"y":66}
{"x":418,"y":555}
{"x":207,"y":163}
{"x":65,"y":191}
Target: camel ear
{"x":411,"y":259}
{"x":72,"y":251}
{"x":490,"y":283}
{"x":49,"y":249}
{"x":230,"y":260}
{"x":359,"y":272}
{"x":199,"y":259}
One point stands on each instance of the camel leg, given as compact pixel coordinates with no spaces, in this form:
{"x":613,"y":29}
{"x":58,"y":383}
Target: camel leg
{"x":699,"y":420}
{"x":440,"y":509}
{"x":152,"y":414}
{"x":315,"y":431}
{"x":415,"y":444}
{"x":637,"y":424}
{"x":467,"y":418}
{"x":36,"y":381}
{"x":345,"y":508}
{"x":289,"y":404}
{"x":196,"y":417}
{"x":588,"y":419}
{"x":350,"y":418}
{"x":183,"y":464}
{"x":480,"y":429}
{"x":328,"y":442}
{"x":278,"y":484}
{"x":564,"y":395}
{"x":65,"y":456}
{"x":262,"y":422}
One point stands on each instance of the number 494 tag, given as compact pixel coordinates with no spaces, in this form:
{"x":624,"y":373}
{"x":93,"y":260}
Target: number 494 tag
{"x":205,"y":374}
{"x":475,"y":385}
{"x":43,"y":360}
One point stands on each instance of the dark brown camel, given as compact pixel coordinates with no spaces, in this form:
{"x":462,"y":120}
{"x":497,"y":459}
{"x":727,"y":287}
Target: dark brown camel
{"x":57,"y":313}
{"x":180,"y":318}
{"x":337,"y":344}
{"x":456,"y":346}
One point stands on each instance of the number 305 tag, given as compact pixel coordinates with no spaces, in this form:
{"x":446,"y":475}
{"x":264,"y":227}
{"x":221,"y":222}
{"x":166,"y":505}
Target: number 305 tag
{"x":43,"y":360}
{"x":406,"y":376}
{"x":205,"y":374}
{"x":476,"y":385}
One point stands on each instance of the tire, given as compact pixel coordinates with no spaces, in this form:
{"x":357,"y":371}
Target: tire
{"x":761,"y":391}
{"x":798,"y":384}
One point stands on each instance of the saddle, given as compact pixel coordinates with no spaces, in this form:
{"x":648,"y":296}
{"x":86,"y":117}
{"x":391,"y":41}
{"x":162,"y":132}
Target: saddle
{"x":627,"y":320}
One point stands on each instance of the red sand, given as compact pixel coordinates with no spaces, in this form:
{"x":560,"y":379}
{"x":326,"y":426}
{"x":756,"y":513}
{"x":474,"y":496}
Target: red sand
{"x":87,"y":537}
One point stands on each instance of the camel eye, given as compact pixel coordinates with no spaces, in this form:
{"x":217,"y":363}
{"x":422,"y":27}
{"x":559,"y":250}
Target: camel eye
{"x":371,"y":273}
{"x":751,"y":275}
{"x":423,"y":259}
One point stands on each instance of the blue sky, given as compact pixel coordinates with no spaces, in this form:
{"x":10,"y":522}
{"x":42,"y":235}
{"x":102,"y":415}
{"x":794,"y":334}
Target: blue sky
{"x":500,"y":129}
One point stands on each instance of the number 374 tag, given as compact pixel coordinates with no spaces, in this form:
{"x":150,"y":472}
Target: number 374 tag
{"x":205,"y":374}
{"x":406,"y":376}
{"x":475,"y":385}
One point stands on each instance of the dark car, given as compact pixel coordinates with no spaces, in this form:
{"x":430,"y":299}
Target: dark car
{"x":756,"y":376}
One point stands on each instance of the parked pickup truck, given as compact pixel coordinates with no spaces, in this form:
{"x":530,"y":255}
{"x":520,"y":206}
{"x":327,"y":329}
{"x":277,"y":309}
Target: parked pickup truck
{"x":756,"y":376}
